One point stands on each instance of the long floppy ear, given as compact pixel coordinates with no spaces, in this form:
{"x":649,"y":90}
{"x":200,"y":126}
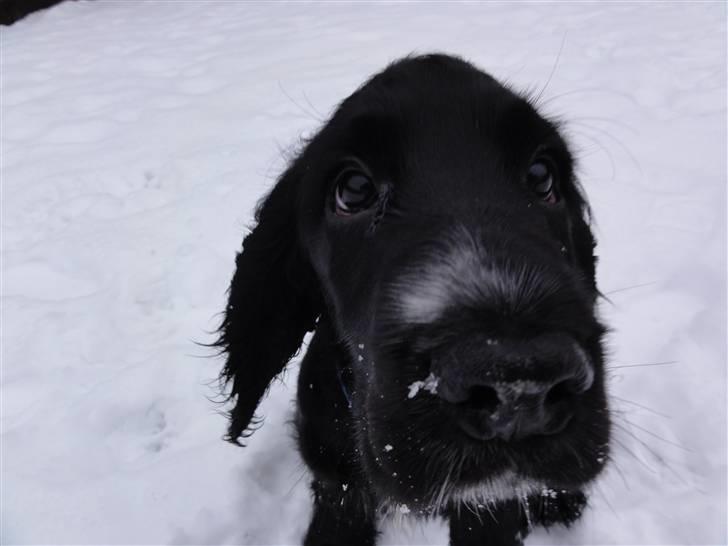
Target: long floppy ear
{"x":274,"y":299}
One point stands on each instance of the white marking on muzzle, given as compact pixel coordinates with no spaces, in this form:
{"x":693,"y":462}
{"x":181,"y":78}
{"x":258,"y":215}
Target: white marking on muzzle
{"x":506,"y":486}
{"x":460,"y":273}
{"x":483,"y":495}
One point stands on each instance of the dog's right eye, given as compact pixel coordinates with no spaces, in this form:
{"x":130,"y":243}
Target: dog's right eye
{"x":354,"y":192}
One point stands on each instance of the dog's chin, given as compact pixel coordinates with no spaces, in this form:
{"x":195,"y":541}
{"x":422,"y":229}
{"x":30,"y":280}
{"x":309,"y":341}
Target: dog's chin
{"x":483,"y":495}
{"x":428,"y":480}
{"x":436,"y":494}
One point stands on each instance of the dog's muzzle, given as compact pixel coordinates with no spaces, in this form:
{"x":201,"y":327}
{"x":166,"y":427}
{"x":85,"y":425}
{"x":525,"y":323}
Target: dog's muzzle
{"x":508,"y":365}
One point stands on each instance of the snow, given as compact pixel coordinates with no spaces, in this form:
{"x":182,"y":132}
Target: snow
{"x":429,"y":384}
{"x":136,"y":139}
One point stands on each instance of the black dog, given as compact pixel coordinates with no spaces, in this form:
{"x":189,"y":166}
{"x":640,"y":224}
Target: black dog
{"x":14,"y":10}
{"x":434,"y":236}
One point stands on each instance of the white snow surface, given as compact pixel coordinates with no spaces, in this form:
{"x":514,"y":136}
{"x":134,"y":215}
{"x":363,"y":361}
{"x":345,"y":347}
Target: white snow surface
{"x":137,"y":138}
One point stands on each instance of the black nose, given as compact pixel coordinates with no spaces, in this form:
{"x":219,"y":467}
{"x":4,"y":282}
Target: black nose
{"x":512,"y":390}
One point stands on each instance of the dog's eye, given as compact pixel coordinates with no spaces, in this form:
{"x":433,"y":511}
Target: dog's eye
{"x":540,"y":179}
{"x":354,"y":193}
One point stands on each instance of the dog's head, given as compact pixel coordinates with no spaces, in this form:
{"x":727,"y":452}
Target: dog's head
{"x":436,"y":221}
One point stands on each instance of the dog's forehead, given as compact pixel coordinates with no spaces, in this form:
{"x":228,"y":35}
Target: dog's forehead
{"x":432,"y":80}
{"x":440,"y":107}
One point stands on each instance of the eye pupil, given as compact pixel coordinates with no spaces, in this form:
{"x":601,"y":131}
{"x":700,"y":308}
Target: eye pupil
{"x":538,"y":170}
{"x":357,"y":185}
{"x":354,"y":192}
{"x":540,"y":179}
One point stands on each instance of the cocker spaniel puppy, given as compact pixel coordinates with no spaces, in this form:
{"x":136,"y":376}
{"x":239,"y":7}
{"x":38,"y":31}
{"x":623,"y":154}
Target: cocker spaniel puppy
{"x":433,"y":236}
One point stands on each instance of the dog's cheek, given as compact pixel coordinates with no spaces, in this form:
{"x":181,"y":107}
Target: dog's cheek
{"x":397,"y":444}
{"x":343,"y":273}
{"x":578,"y":458}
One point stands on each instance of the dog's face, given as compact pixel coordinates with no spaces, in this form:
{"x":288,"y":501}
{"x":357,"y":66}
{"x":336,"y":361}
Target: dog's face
{"x":441,"y":220}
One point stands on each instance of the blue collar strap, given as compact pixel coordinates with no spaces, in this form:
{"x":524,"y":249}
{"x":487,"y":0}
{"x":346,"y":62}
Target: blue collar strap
{"x":344,"y":388}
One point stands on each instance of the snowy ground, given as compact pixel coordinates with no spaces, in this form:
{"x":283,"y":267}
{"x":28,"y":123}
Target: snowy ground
{"x":136,"y":138}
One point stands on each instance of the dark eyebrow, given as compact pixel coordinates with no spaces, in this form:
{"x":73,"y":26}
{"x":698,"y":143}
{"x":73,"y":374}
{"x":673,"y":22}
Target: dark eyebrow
{"x":374,"y":138}
{"x":372,"y":128}
{"x":523,"y":131}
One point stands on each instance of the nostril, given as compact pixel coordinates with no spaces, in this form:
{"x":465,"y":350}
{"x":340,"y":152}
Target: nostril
{"x":482,"y":398}
{"x":563,"y":391}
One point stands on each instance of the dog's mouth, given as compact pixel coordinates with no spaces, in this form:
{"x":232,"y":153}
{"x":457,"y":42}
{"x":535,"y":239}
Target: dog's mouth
{"x":422,"y":449}
{"x":431,"y":480}
{"x":482,"y":495}
{"x":431,"y":475}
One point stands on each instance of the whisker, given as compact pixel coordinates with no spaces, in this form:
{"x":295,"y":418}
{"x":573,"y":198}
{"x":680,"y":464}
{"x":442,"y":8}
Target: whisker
{"x":593,"y":140}
{"x":527,"y":511}
{"x":472,"y":509}
{"x":578,"y":458}
{"x":657,"y":436}
{"x":438,"y":495}
{"x":610,"y":121}
{"x":319,"y":115}
{"x":553,"y":69}
{"x":665,"y":363}
{"x":621,"y":474}
{"x":301,"y":471}
{"x":644,"y":444}
{"x":585,"y":90}
{"x":646,"y":408}
{"x":625,"y":149}
{"x":636,"y":458}
{"x":654,"y":453}
{"x":606,"y":500}
{"x":632,"y":287}
{"x":297,"y":104}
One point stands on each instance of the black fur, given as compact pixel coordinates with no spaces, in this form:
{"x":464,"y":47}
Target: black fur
{"x":14,"y":10}
{"x":456,"y":269}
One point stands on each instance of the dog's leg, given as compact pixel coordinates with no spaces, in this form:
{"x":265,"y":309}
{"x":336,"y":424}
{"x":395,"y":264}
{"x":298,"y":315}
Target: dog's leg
{"x":340,"y":517}
{"x":558,"y":507}
{"x":344,"y":509}
{"x":504,"y":524}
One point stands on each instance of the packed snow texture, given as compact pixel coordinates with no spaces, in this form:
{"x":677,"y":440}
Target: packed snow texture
{"x":137,"y":138}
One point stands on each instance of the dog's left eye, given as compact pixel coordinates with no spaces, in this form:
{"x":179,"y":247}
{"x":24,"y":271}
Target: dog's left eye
{"x":540,"y":179}
{"x":354,"y":192}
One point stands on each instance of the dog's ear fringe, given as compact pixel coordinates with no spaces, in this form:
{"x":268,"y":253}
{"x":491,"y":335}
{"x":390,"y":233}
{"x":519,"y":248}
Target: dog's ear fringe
{"x":273,"y":300}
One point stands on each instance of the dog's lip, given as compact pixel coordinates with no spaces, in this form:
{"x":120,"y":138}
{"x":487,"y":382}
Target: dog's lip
{"x":508,"y":484}
{"x":523,"y":457}
{"x":514,"y":478}
{"x":467,"y":419}
{"x":512,"y":451}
